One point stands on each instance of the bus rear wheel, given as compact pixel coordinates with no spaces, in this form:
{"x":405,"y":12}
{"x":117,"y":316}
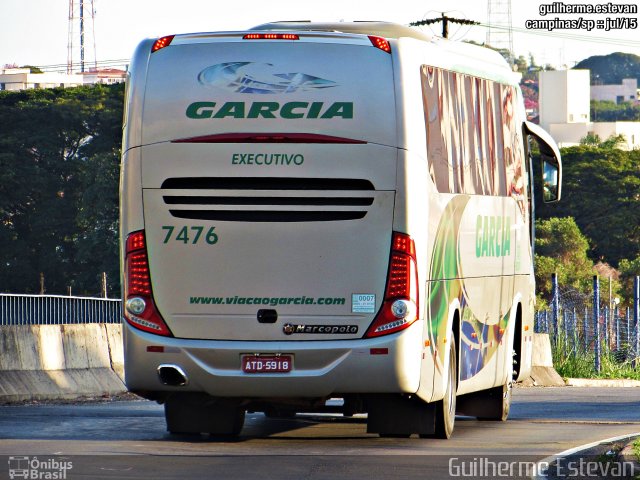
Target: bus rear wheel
{"x":446,"y":408}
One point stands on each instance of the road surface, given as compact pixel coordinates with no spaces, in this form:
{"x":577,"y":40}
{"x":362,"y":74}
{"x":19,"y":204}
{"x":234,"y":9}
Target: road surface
{"x":128,"y":439}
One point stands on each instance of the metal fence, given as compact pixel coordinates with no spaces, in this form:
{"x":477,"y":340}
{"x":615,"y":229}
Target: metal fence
{"x":586,"y":325}
{"x":57,"y":310}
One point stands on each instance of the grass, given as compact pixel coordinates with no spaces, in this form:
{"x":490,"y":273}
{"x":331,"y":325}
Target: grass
{"x":636,"y":448}
{"x":582,"y":365}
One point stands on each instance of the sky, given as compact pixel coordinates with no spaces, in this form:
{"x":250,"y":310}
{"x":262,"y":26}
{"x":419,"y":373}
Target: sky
{"x":35,"y":32}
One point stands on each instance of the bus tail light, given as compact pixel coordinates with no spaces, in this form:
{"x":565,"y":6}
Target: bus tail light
{"x":161,"y":43}
{"x":139,"y":308}
{"x":400,"y":305}
{"x":381,"y":43}
{"x":271,"y":36}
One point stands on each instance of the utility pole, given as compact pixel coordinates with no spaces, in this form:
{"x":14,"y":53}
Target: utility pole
{"x":445,"y":23}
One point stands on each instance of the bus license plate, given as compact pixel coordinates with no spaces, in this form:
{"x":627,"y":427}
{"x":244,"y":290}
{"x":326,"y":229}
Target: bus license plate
{"x":267,"y":363}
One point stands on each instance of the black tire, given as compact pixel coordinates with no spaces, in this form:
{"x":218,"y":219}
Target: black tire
{"x":498,"y":399}
{"x":194,"y":414}
{"x":446,"y":408}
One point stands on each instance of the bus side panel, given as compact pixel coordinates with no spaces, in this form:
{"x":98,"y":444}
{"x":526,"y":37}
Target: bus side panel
{"x":478,"y":221}
{"x":473,"y":254}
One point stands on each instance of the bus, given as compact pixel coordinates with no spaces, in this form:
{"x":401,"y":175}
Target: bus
{"x":328,"y":210}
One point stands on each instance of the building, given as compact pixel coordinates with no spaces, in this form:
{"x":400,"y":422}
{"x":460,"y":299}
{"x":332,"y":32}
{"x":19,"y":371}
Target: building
{"x":626,"y":92}
{"x":563,"y":97}
{"x":23,"y":79}
{"x":564,"y":103}
{"x":106,"y":76}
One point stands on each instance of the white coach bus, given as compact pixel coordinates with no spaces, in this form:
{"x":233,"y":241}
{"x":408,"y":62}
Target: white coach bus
{"x":314,"y":211}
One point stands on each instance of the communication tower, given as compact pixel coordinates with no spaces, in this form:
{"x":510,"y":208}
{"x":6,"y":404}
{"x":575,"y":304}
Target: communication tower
{"x":499,"y":31}
{"x":81,"y":27}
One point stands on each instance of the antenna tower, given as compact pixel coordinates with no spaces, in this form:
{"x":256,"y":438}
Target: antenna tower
{"x":499,"y":31}
{"x":82,"y":24}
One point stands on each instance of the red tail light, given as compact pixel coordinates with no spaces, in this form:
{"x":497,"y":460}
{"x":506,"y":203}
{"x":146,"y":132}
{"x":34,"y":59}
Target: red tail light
{"x":139,"y":307}
{"x":381,"y":43}
{"x":271,"y":36}
{"x":400,"y":306}
{"x":162,"y":42}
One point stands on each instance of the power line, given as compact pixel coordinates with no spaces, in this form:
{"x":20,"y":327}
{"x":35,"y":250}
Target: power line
{"x":569,"y":36}
{"x":123,"y":63}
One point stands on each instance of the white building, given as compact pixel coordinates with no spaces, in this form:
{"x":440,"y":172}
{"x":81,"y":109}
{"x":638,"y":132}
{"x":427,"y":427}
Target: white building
{"x":626,"y":92}
{"x":105,"y":76}
{"x":563,"y":97}
{"x":564,"y":101}
{"x":23,"y":79}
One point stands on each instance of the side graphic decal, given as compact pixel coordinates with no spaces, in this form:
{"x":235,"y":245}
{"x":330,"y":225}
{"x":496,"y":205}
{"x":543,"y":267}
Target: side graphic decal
{"x":261,"y":78}
{"x":479,"y":339}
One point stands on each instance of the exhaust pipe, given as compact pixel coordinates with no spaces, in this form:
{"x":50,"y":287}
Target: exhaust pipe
{"x":172,"y":375}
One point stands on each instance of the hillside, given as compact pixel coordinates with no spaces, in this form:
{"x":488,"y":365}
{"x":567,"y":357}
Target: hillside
{"x":612,"y":68}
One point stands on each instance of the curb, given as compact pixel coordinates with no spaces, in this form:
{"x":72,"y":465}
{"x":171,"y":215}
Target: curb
{"x":581,"y":448}
{"x":628,"y":455}
{"x":602,"y":382}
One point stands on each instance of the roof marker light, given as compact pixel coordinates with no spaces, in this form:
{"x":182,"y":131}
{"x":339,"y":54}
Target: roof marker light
{"x":162,"y":42}
{"x":381,"y":43}
{"x":271,"y":36}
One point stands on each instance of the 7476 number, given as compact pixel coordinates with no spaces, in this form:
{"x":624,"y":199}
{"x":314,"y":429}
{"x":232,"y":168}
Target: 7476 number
{"x":193,"y":235}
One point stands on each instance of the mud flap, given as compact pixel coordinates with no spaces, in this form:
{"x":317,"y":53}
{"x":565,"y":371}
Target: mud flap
{"x":484,"y":404}
{"x":396,"y":414}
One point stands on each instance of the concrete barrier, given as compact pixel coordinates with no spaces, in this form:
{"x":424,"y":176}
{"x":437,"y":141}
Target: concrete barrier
{"x":542,"y":371}
{"x":42,"y":362}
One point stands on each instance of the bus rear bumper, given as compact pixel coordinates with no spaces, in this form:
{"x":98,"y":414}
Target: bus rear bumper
{"x":388,"y":364}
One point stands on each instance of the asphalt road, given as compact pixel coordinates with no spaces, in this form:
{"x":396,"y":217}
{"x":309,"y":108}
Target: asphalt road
{"x":128,"y":440}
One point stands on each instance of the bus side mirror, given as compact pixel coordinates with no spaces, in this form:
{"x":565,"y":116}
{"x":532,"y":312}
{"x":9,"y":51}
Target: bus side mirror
{"x":551,"y":163}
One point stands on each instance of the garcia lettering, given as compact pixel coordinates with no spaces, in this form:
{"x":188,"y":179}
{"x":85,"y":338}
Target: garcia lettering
{"x":493,"y":236}
{"x":289,"y":110}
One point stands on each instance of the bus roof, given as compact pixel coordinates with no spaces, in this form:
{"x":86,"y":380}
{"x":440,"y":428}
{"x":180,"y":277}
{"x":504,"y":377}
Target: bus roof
{"x":383,"y":29}
{"x":460,"y":56}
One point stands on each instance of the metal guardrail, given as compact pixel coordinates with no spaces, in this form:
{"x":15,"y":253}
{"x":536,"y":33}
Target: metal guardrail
{"x":57,"y":310}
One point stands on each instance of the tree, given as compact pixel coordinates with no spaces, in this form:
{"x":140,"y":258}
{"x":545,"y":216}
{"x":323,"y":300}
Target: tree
{"x":594,"y":140}
{"x":561,"y":249}
{"x":608,"y":111}
{"x":628,"y":270}
{"x":601,"y":190}
{"x":611,"y":69}
{"x":96,"y":238}
{"x":33,"y":69}
{"x":49,"y":139}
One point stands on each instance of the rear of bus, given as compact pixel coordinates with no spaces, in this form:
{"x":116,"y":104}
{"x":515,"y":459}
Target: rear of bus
{"x":258,"y":186}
